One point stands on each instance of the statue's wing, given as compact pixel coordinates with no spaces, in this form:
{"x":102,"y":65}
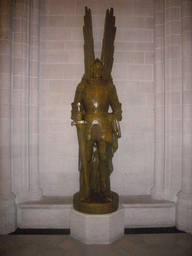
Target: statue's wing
{"x":108,"y":44}
{"x":88,"y":44}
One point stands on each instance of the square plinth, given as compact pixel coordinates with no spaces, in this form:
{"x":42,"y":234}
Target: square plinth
{"x":97,"y":228}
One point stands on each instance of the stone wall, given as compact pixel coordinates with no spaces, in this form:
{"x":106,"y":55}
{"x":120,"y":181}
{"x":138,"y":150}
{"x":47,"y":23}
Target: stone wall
{"x":42,"y":62}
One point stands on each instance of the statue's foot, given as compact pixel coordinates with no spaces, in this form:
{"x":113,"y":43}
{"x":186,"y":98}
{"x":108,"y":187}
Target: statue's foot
{"x":84,"y":196}
{"x":84,"y":199}
{"x":107,"y":197}
{"x":96,"y":203}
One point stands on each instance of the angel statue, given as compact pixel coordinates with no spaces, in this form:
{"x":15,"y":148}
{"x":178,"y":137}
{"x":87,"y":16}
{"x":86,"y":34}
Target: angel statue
{"x":96,"y":112}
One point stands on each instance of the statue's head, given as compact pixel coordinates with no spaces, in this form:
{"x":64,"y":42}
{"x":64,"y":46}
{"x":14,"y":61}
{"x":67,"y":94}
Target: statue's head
{"x":97,"y":69}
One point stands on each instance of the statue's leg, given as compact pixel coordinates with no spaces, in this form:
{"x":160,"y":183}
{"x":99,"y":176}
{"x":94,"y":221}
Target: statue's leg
{"x":89,"y":150}
{"x":103,"y":168}
{"x":95,"y":175}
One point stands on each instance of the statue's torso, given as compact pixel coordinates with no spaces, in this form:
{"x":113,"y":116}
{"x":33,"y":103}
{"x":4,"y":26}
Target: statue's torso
{"x":96,"y":97}
{"x":96,"y":103}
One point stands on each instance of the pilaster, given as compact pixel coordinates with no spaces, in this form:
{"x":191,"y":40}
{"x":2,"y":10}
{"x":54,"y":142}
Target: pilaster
{"x":25,"y":118}
{"x":7,"y":198}
{"x":35,"y":192}
{"x":168,"y":103}
{"x":184,"y":204}
{"x":157,"y":191}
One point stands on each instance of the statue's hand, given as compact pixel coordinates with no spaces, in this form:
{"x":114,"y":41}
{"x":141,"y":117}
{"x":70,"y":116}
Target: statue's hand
{"x":78,"y":117}
{"x":110,"y":117}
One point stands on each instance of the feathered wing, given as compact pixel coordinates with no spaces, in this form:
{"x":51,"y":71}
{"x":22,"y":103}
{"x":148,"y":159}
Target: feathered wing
{"x":89,"y":55}
{"x":108,"y":44}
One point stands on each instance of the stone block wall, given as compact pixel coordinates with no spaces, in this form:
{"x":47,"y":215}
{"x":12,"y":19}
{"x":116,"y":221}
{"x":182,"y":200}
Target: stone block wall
{"x":42,"y":62}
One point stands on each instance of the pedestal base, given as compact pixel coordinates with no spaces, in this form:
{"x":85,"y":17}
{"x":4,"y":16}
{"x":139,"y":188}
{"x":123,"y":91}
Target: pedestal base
{"x":96,"y":205}
{"x":97,"y":229}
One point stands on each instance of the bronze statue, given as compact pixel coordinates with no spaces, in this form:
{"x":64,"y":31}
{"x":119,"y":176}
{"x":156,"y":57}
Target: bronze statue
{"x":98,"y":129}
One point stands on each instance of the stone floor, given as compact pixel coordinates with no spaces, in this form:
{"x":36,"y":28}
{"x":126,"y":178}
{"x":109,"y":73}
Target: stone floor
{"x":179,"y":244}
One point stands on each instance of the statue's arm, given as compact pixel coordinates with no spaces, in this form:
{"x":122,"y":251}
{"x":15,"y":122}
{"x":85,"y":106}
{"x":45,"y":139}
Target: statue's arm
{"x":114,"y":102}
{"x":76,"y":112}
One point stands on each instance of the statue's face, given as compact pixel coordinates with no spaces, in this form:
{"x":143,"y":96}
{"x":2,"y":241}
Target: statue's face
{"x":97,"y":70}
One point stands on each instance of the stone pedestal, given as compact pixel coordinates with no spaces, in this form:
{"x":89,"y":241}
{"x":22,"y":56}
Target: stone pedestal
{"x":184,"y":212}
{"x":7,"y":214}
{"x":97,"y":228}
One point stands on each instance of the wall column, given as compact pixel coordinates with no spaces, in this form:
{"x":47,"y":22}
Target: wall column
{"x":25,"y":93}
{"x":35,"y":192}
{"x":7,"y":198}
{"x":159,"y":158}
{"x":184,"y":204}
{"x":168,"y":103}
